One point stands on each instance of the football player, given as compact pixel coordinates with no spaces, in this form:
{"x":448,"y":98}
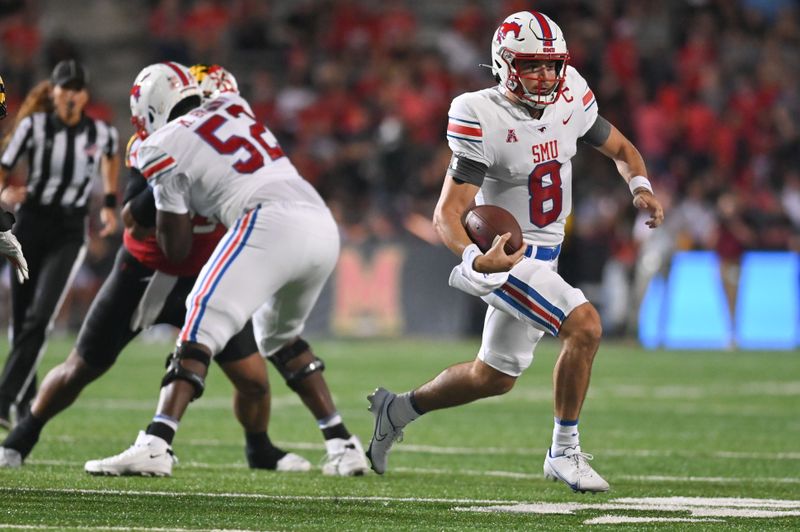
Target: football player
{"x":145,"y":288}
{"x":10,"y":247}
{"x":281,"y":245}
{"x":512,"y":145}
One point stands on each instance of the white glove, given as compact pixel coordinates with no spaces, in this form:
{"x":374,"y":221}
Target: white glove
{"x":11,"y":249}
{"x":475,"y":283}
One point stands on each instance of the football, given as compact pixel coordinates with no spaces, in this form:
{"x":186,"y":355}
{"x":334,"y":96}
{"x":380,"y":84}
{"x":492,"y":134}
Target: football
{"x":485,"y":222}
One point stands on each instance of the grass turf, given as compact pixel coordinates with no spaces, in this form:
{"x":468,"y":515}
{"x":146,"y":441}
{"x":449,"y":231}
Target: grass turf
{"x":660,"y":424}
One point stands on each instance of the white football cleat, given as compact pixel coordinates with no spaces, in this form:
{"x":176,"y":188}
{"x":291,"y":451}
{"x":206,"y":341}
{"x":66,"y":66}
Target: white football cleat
{"x":10,"y":458}
{"x":385,"y":433}
{"x":573,"y":469}
{"x":293,"y":463}
{"x":148,"y":456}
{"x":345,"y":458}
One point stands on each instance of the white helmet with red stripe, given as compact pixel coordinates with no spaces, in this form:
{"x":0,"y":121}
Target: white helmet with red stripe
{"x":529,"y":36}
{"x":156,"y":91}
{"x":214,"y":80}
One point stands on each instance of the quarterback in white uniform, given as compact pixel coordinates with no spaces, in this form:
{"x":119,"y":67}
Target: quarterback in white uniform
{"x":512,"y":147}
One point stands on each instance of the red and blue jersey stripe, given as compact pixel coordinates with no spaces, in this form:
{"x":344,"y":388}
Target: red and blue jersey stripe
{"x":469,"y":130}
{"x":531,"y":304}
{"x":220,"y":263}
{"x":588,"y":100}
{"x":158,"y":166}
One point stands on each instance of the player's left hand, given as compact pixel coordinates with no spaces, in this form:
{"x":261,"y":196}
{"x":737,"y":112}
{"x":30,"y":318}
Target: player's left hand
{"x":645,"y":200}
{"x":108,"y":215}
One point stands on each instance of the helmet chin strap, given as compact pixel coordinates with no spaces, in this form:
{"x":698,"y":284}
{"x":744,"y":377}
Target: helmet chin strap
{"x":524,"y":101}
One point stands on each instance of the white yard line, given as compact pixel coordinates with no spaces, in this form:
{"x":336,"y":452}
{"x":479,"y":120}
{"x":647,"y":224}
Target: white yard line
{"x":514,"y":451}
{"x":481,"y":473}
{"x":263,"y":496}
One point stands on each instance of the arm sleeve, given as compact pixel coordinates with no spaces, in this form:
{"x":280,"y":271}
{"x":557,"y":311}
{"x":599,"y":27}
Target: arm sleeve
{"x":140,"y":198}
{"x":598,"y":133}
{"x":464,"y":131}
{"x":465,"y":170}
{"x":19,"y":143}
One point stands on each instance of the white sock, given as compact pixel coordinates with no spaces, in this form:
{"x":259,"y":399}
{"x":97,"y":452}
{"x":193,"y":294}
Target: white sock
{"x":565,"y":435}
{"x":403,"y":410}
{"x":330,"y":421}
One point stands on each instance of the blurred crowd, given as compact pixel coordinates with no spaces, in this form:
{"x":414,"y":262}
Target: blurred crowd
{"x":357,"y":93}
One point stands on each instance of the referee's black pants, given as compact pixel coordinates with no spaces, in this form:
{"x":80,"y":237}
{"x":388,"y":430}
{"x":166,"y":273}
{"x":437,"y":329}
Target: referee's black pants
{"x":54,"y":245}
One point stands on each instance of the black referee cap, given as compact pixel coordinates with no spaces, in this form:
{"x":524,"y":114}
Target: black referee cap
{"x":70,"y":74}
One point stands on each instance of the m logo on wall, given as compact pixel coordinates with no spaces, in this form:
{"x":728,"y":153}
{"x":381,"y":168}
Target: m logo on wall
{"x":367,"y":292}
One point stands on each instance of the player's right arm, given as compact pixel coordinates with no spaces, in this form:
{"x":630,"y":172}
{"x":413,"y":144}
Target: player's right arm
{"x":455,"y":199}
{"x":171,"y":192}
{"x":461,"y":184}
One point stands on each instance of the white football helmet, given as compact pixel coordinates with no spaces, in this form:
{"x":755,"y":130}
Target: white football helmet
{"x":156,"y":91}
{"x":529,"y":36}
{"x":214,"y":80}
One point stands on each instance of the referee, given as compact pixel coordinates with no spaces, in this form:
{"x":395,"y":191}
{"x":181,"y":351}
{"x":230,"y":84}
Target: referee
{"x":64,"y":150}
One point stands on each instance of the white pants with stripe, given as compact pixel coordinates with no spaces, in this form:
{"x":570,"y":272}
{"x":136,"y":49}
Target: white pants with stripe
{"x":271,"y":265}
{"x":535,"y":300}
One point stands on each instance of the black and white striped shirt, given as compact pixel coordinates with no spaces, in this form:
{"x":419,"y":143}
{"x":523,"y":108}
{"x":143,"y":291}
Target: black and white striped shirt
{"x":62,"y":160}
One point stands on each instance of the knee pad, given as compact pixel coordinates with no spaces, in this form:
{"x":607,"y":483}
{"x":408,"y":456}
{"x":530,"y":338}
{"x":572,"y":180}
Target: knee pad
{"x":286,"y":354}
{"x":176,"y":371}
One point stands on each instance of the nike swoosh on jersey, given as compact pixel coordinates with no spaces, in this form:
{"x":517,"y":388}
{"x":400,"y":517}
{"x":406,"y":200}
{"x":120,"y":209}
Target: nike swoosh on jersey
{"x":568,"y":119}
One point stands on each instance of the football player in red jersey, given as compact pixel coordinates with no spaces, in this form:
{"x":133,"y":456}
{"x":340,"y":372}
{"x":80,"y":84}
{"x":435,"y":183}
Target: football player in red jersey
{"x":10,"y":247}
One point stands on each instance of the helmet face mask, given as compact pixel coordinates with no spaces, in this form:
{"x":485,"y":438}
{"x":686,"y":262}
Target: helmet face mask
{"x":522,"y":38}
{"x":156,"y":91}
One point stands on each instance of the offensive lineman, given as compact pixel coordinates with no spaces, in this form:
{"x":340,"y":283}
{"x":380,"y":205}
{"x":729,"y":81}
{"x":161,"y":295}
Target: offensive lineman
{"x":145,"y":288}
{"x":512,"y":145}
{"x":281,"y":245}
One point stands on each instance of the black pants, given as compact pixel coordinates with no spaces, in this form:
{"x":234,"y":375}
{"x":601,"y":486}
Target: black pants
{"x":54,"y":245}
{"x":107,"y":328}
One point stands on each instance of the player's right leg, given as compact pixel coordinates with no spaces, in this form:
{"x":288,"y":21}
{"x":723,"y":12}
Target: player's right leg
{"x":506,"y":351}
{"x":103,"y":334}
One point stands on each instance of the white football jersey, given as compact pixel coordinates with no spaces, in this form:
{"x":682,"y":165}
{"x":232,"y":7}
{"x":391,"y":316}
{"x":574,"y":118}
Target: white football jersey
{"x":529,"y":172}
{"x":218,"y":161}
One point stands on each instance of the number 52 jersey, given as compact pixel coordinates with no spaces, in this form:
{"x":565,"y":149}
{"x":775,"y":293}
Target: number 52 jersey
{"x":218,"y":161}
{"x":529,"y":169}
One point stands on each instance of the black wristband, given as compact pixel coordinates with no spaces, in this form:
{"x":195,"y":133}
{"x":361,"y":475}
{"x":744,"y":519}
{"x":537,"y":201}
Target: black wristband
{"x":110,"y":200}
{"x":6,"y":220}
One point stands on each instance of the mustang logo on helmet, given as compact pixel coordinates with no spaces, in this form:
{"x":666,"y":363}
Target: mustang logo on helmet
{"x":136,"y":91}
{"x":506,"y":28}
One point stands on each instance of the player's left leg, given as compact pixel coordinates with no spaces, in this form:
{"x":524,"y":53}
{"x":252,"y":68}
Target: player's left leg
{"x":242,"y":364}
{"x":278,"y":325}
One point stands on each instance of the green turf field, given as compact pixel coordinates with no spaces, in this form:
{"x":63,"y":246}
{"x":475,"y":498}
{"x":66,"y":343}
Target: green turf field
{"x":688,"y":439}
